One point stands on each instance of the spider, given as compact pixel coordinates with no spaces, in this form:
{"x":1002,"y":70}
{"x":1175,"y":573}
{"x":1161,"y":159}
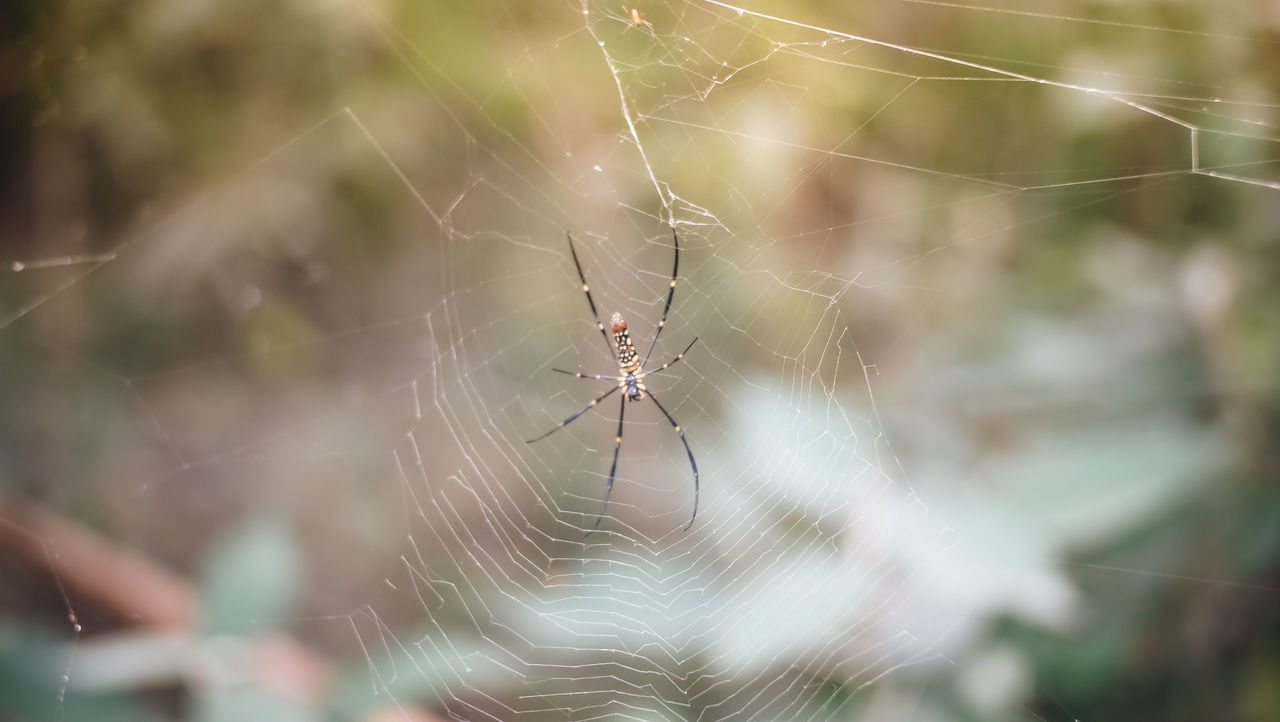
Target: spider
{"x":631,"y":375}
{"x":637,"y":20}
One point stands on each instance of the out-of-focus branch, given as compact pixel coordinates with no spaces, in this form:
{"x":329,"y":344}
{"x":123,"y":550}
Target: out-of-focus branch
{"x":89,"y":569}
{"x":86,"y":570}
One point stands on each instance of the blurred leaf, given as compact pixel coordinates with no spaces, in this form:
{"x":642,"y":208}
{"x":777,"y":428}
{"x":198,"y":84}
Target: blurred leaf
{"x":250,"y":581}
{"x":240,"y":703}
{"x":422,"y":666}
{"x":33,"y":688}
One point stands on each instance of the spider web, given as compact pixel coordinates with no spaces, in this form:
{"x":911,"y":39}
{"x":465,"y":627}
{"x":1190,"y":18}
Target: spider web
{"x":356,"y":330}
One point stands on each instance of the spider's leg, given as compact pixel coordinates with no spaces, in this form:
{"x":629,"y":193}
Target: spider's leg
{"x":675,"y":268}
{"x":587,"y":290}
{"x":569,"y":420}
{"x":581,"y":375}
{"x":680,"y":430}
{"x":677,"y":358}
{"x":617,"y":446}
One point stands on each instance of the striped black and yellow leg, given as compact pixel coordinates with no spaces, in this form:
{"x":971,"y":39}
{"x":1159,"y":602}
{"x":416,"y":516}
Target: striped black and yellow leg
{"x":587,"y":290}
{"x":613,"y":468}
{"x":569,"y":420}
{"x":680,"y":430}
{"x":672,"y":361}
{"x":671,"y":292}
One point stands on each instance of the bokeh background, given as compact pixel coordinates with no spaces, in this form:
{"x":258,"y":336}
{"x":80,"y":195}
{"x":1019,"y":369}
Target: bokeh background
{"x":986,"y":395}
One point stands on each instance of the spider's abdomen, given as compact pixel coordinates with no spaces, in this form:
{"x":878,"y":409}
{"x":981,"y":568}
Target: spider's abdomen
{"x":628,"y":359}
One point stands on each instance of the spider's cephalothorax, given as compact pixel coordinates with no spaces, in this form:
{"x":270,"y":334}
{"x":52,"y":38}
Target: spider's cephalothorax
{"x":628,"y":360}
{"x":631,"y":375}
